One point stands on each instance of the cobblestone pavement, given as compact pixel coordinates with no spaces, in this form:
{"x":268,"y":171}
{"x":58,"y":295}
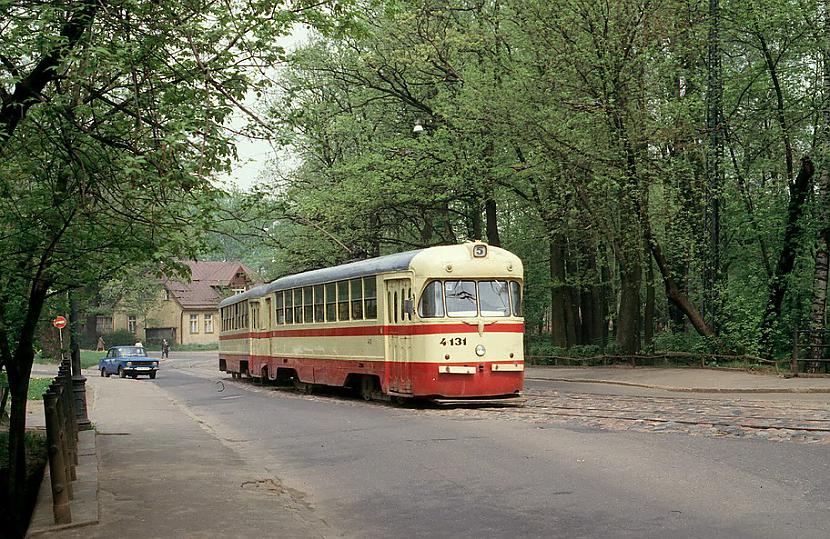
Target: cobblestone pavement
{"x":779,"y":421}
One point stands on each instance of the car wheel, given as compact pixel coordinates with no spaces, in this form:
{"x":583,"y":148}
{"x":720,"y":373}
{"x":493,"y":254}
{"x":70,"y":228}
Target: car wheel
{"x":133,"y":376}
{"x":122,"y":373}
{"x":152,"y":376}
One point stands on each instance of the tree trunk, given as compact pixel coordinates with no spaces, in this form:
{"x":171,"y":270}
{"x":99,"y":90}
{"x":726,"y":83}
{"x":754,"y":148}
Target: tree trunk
{"x":492,"y":223}
{"x":673,"y":293}
{"x":818,"y":307}
{"x":475,"y":221}
{"x":713,"y":165}
{"x":19,"y":370}
{"x":572,"y":304}
{"x":786,"y":259}
{"x":558,"y":320}
{"x":818,"y":304}
{"x":448,"y":232}
{"x":648,"y":313}
{"x":628,"y":315}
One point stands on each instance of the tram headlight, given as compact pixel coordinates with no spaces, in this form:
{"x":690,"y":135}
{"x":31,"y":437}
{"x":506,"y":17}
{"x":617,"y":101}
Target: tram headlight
{"x":479,"y":251}
{"x":480,"y":350}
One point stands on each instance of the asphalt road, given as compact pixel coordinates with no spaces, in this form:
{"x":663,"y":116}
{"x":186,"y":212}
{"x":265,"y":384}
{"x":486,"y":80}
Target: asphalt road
{"x":373,"y":470}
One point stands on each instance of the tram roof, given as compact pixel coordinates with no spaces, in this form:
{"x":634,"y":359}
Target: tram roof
{"x":361,"y":268}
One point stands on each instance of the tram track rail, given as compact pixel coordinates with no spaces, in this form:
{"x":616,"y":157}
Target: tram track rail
{"x":718,"y":417}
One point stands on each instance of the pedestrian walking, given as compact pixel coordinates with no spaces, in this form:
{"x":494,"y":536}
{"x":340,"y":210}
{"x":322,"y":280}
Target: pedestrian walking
{"x":100,"y":346}
{"x":165,"y":348}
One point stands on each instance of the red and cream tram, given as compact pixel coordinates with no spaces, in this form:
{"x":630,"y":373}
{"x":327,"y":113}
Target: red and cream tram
{"x":441,"y":323}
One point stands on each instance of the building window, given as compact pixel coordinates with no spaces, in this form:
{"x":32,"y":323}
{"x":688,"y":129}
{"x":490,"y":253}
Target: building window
{"x":103,"y":324}
{"x":194,"y":323}
{"x":237,"y":290}
{"x":131,"y":324}
{"x":208,"y":323}
{"x":166,"y":294}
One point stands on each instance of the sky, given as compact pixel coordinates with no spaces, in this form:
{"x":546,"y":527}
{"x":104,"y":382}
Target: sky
{"x":254,"y":155}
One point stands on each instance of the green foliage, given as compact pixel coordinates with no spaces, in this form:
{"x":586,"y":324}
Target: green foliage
{"x":112,"y":126}
{"x":583,"y":139}
{"x":119,"y":337}
{"x":667,"y":341}
{"x":37,"y":386}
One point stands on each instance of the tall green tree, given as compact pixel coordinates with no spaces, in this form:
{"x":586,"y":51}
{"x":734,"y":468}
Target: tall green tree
{"x":111,"y":127}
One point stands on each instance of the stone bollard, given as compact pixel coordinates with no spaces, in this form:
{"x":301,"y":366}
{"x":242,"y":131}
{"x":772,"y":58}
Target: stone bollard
{"x":57,"y":459}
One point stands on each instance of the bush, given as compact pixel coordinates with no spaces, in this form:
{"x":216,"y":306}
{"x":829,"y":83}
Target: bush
{"x":119,"y":337}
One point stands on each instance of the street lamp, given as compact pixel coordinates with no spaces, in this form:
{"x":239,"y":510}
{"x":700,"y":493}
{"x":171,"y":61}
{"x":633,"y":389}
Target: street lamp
{"x":418,"y":127}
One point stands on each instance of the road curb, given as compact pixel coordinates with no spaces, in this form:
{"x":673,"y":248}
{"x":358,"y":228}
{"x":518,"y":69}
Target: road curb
{"x":84,"y":505}
{"x":687,"y":389}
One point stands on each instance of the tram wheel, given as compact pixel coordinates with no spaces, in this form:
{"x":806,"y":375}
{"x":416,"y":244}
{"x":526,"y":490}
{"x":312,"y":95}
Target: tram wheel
{"x":367,"y":388}
{"x":303,"y":387}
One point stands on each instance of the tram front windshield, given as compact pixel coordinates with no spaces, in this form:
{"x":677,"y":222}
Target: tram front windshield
{"x":469,"y":298}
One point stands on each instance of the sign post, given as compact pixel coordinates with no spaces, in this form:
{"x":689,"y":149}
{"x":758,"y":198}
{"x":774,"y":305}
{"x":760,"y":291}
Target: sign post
{"x":60,"y":323}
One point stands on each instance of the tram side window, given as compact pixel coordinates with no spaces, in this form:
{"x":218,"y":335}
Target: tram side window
{"x":308,"y":305}
{"x":516,"y":298}
{"x":331,"y":302}
{"x":289,"y":307}
{"x":280,"y":305}
{"x":461,"y":298}
{"x":343,"y":300}
{"x":432,"y":301}
{"x":254,"y":315}
{"x":494,"y":298}
{"x":357,"y":299}
{"x":370,"y":297}
{"x":319,"y":304}
{"x":298,"y":306}
{"x":245,"y":315}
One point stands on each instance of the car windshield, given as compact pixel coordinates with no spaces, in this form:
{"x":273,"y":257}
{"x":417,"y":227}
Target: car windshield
{"x":130,"y":351}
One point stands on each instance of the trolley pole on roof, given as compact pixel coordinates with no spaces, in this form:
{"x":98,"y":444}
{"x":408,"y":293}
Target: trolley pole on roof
{"x":78,"y":379}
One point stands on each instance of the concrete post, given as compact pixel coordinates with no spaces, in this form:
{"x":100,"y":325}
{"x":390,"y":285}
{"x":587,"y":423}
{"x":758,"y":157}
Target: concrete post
{"x":78,"y":379}
{"x":57,"y":464}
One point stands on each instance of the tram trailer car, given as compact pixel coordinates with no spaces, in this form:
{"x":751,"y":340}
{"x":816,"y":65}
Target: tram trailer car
{"x":441,"y":323}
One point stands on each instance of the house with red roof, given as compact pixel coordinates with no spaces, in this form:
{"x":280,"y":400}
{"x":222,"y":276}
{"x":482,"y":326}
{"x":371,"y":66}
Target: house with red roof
{"x":186,"y":312}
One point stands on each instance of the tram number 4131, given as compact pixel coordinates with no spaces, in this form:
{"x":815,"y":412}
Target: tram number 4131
{"x":454,"y":341}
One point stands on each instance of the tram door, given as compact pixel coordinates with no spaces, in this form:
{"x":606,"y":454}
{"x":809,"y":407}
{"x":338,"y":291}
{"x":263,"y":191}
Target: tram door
{"x":398,"y":340}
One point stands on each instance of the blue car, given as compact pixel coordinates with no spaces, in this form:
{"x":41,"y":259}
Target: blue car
{"x":128,"y":361}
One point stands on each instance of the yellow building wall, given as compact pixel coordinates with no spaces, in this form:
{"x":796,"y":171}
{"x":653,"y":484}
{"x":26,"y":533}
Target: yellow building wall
{"x":206,"y":332}
{"x":168,"y":313}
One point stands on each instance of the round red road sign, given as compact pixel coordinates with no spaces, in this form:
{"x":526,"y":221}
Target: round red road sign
{"x":59,"y":322}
